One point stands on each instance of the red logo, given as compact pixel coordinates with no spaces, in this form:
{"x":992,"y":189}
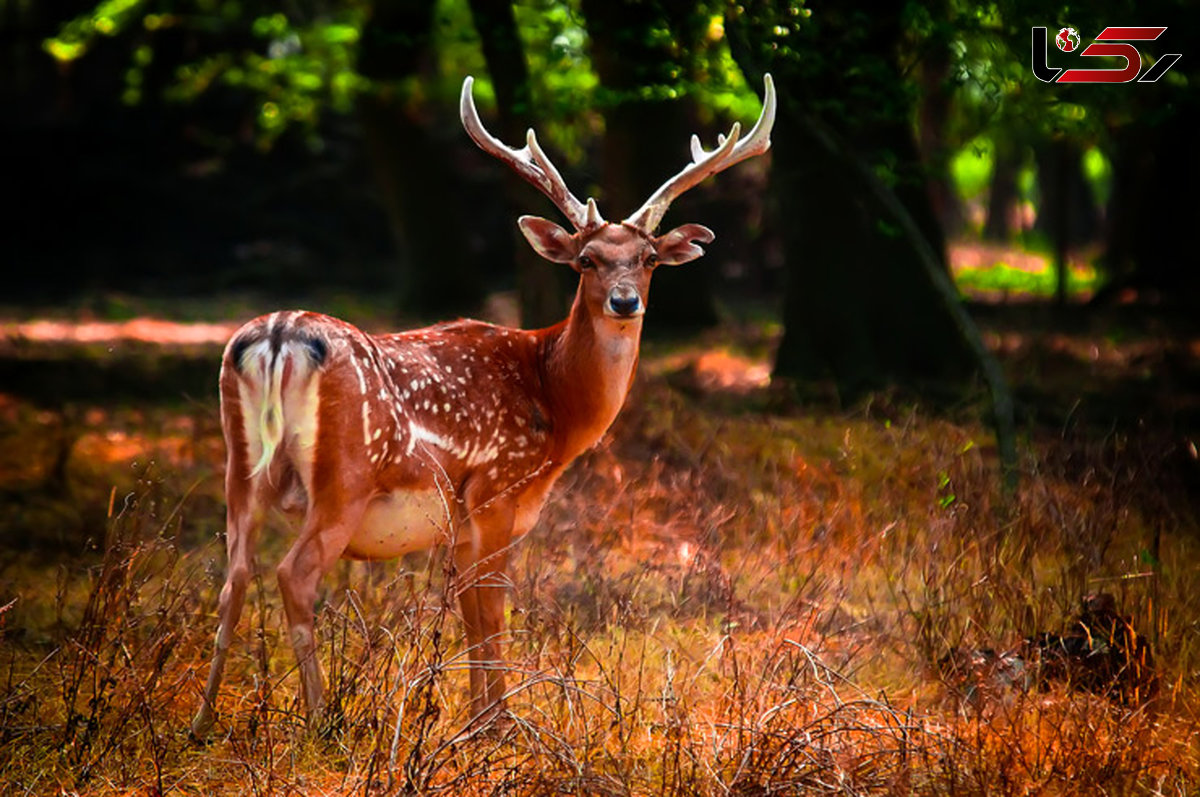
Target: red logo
{"x":1067,"y":39}
{"x":1113,"y":42}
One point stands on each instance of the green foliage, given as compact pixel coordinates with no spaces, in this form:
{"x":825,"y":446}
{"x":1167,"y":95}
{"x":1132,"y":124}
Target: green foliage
{"x":560,"y":68}
{"x":290,"y":66}
{"x":109,"y":18}
{"x":996,"y":92}
{"x":1098,"y":170}
{"x":305,"y":70}
{"x":972,"y":166}
{"x":825,"y":54}
{"x":719,"y":86}
{"x":294,"y":68}
{"x":457,"y":48}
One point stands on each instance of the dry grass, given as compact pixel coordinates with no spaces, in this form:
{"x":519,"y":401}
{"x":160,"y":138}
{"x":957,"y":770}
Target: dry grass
{"x":716,"y":601}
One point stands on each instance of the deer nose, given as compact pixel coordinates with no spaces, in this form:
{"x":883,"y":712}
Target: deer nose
{"x":623,"y":301}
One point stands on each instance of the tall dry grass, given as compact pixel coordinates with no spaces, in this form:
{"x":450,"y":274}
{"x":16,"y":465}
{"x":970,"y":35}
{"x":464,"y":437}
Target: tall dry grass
{"x":716,"y":601}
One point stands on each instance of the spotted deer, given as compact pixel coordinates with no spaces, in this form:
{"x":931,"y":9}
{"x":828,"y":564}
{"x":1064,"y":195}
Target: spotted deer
{"x":448,"y":435}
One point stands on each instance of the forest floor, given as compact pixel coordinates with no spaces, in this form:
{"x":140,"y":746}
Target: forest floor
{"x":737,"y":592}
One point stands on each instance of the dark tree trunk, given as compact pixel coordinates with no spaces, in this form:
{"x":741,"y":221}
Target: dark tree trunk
{"x":1154,"y":209}
{"x":420,"y":191}
{"x":542,"y":296}
{"x":861,"y":306}
{"x":1067,"y":206}
{"x":1002,"y":191}
{"x":1067,"y":214}
{"x":934,"y":115}
{"x":1149,"y":218}
{"x":646,"y":135}
{"x":1054,"y":168}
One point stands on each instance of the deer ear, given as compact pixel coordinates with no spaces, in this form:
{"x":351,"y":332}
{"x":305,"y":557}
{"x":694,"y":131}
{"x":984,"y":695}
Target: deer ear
{"x":676,"y":246}
{"x":548,"y":239}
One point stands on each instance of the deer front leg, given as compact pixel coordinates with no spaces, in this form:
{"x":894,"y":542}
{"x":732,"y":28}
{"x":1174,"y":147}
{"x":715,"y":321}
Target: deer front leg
{"x":325,"y":536}
{"x":481,"y":562}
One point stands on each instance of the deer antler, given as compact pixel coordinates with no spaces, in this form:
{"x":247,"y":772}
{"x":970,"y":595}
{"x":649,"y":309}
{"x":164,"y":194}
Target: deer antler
{"x":730,"y":150}
{"x":530,"y":162}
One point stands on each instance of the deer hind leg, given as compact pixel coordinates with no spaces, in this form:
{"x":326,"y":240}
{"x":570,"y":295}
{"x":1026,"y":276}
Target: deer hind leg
{"x":481,"y":564}
{"x":243,"y":520}
{"x":325,"y":536}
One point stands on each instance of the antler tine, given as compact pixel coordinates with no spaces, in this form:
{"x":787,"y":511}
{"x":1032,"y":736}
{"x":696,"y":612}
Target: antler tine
{"x":730,"y":149}
{"x":530,"y":162}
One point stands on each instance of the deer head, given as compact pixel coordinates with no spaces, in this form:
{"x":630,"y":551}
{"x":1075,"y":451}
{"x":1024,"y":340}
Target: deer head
{"x":615,"y":261}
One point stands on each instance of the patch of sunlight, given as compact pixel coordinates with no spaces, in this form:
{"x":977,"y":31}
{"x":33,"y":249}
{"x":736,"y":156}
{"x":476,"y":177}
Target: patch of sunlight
{"x":147,"y":330}
{"x":719,"y":369}
{"x":992,"y":272}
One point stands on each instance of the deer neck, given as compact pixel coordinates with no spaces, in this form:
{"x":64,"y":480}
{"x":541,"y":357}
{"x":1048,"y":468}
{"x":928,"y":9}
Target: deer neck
{"x":587,"y":368}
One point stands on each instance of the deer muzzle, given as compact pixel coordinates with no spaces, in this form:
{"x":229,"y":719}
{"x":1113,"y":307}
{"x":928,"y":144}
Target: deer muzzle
{"x":624,"y":302}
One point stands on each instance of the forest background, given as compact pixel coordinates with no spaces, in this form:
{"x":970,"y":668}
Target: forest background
{"x":923,"y":418}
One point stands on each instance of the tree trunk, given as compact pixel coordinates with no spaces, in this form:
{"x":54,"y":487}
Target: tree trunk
{"x":860,"y":306}
{"x":646,"y":135}
{"x":1053,"y":176}
{"x":542,"y":296}
{"x":1149,"y":218}
{"x":420,"y":191}
{"x":934,"y":116}
{"x":1002,"y":191}
{"x":1067,"y":207}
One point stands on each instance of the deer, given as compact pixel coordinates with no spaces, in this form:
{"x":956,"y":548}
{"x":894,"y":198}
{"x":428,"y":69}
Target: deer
{"x":449,"y":435}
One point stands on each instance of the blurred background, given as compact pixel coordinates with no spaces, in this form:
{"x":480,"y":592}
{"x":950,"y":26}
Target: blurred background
{"x":209,"y":158}
{"x":904,"y":499}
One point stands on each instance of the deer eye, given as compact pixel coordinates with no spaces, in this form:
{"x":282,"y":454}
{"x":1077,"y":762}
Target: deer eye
{"x":651,"y":260}
{"x":585,"y":262}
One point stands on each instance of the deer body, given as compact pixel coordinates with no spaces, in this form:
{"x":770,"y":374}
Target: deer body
{"x":500,"y":410}
{"x":452,"y":434}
